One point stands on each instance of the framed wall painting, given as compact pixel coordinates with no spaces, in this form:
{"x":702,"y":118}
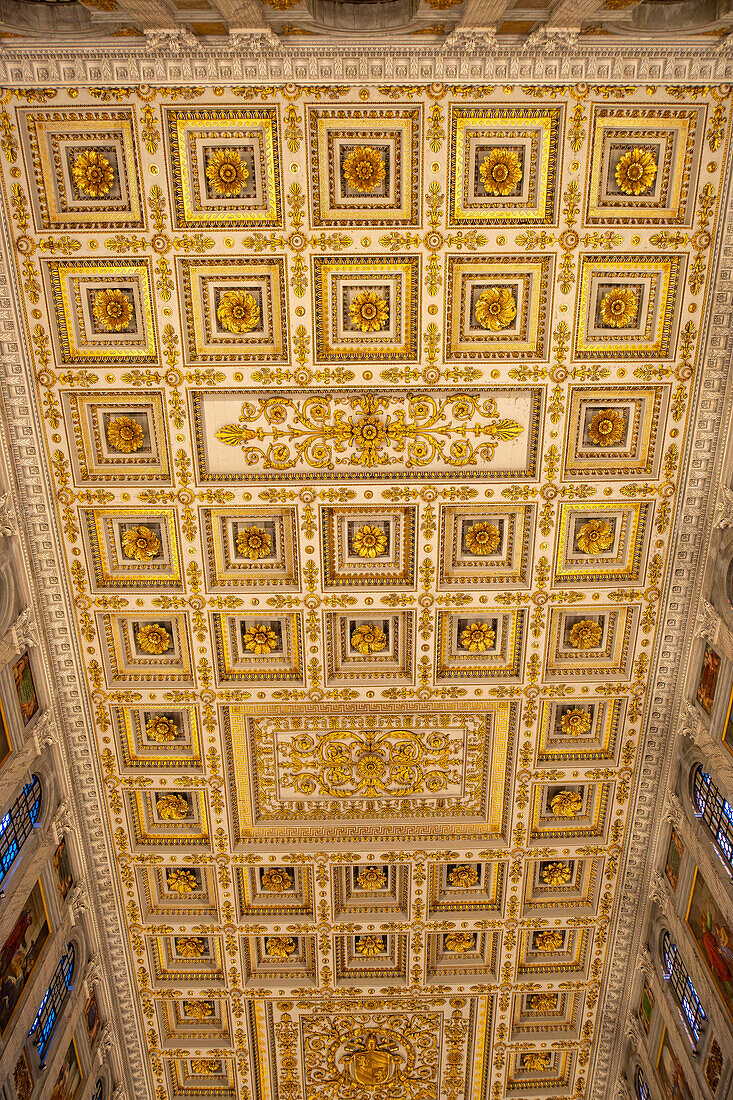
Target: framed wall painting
{"x":62,"y":869}
{"x":6,"y":746}
{"x":25,"y":686}
{"x":20,"y":953}
{"x":22,"y":1077}
{"x":646,"y":1006}
{"x":675,"y":849}
{"x":714,"y":1066}
{"x":713,"y":938}
{"x":91,"y":1017}
{"x":68,"y":1083}
{"x":671,"y":1072}
{"x":728,"y":727}
{"x":708,"y":682}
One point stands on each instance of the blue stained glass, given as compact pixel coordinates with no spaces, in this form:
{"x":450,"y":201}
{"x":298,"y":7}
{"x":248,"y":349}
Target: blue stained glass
{"x":684,"y":991}
{"x":716,"y":812}
{"x":53,"y":1001}
{"x":642,"y":1089}
{"x":17,"y":824}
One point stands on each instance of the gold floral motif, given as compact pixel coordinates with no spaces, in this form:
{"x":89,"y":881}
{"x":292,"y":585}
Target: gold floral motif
{"x":260,"y":639}
{"x":190,"y":947}
{"x":238,"y":311}
{"x":206,"y":1066}
{"x":417,"y":430}
{"x":276,"y":880}
{"x":112,"y":309}
{"x":125,"y":434}
{"x":500,"y":171}
{"x":172,"y":807}
{"x":585,"y":634}
{"x":620,"y":306}
{"x":364,"y":169}
{"x":635,"y":171}
{"x":542,"y":1002}
{"x":370,"y":945}
{"x":567,"y":804}
{"x":140,"y":543}
{"x":368,"y":311}
{"x":459,"y":942}
{"x":536,"y":1061}
{"x":371,"y":878}
{"x":607,"y":427}
{"x":226,"y":172}
{"x":280,"y":947}
{"x":477,"y":637}
{"x":483,"y":538}
{"x":198,"y":1010}
{"x":154,"y":638}
{"x":369,"y":638}
{"x":464,"y":876}
{"x":495,"y":308}
{"x":93,"y":174}
{"x":253,"y":543}
{"x":159,"y":728}
{"x":181,"y":881}
{"x":576,"y":722}
{"x":548,"y":939}
{"x":594,"y":536}
{"x":369,"y":541}
{"x":556,"y":873}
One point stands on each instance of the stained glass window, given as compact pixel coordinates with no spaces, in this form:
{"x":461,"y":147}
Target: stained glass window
{"x":642,"y":1089}
{"x":53,"y":1001}
{"x":17,"y":824}
{"x":683,"y":990}
{"x":716,"y":812}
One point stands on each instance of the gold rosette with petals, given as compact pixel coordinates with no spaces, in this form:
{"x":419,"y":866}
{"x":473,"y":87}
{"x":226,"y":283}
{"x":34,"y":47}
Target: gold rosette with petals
{"x":556,"y":874}
{"x":542,"y":1002}
{"x":459,"y":942}
{"x":190,"y":947}
{"x":370,"y":945}
{"x":172,"y":807}
{"x":140,"y":543}
{"x":161,"y":729}
{"x":500,"y":171}
{"x":495,"y":308}
{"x":364,"y":169}
{"x":464,"y":876}
{"x":198,"y":1010}
{"x":238,"y":311}
{"x":125,"y":434}
{"x":536,"y":1061}
{"x":260,"y":639}
{"x":154,"y":638}
{"x":93,"y":174}
{"x":206,"y":1066}
{"x":635,"y":171}
{"x":576,"y":722}
{"x":371,"y":878}
{"x":369,"y":638}
{"x":112,"y":309}
{"x":483,"y":538}
{"x":368,"y":311}
{"x":226,"y":172}
{"x":253,"y":543}
{"x":276,"y":880}
{"x":586,"y":634}
{"x":607,"y":427}
{"x":594,"y":536}
{"x":620,"y":306}
{"x":279,"y":947}
{"x":477,"y":637}
{"x":369,"y":541}
{"x":181,"y":881}
{"x":567,"y":804}
{"x":548,"y":939}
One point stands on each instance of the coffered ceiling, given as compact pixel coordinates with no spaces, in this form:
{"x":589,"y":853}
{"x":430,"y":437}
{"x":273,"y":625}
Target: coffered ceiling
{"x":365,"y":411}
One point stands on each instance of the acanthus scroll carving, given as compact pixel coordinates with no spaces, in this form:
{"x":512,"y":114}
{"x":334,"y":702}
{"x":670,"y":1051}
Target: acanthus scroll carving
{"x":724,"y":508}
{"x":707,"y":623}
{"x":8,"y":517}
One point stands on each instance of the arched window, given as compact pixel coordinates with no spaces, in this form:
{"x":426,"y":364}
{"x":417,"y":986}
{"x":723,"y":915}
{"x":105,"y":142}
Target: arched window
{"x":642,"y":1089}
{"x":17,"y":824}
{"x":98,"y":1093}
{"x":684,"y":991}
{"x":53,"y":1002}
{"x":716,"y":812}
